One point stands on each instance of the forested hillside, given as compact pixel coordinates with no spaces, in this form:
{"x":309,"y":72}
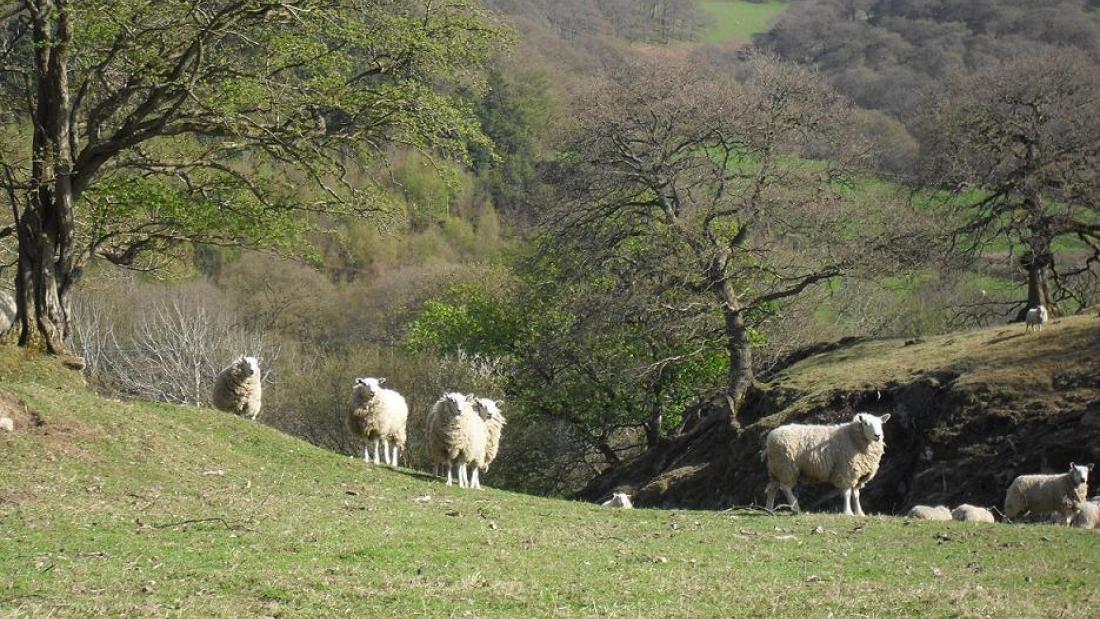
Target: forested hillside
{"x":610,"y":214}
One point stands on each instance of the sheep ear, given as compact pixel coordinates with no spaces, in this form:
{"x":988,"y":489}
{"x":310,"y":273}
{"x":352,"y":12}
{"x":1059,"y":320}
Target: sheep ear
{"x":1072,"y":465}
{"x":1090,"y":465}
{"x":885,"y":418}
{"x":381,"y":380}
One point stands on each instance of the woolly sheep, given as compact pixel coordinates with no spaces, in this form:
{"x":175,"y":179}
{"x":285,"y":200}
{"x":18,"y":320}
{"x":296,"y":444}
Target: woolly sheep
{"x":238,"y":389}
{"x":925,"y":512}
{"x":457,"y":437}
{"x":489,"y":411}
{"x":1042,"y":494}
{"x":7,"y":311}
{"x":1088,"y":515}
{"x":7,"y":423}
{"x":846,"y":455}
{"x":972,"y":513}
{"x":1036,"y":317}
{"x":378,"y":415}
{"x":619,"y":499}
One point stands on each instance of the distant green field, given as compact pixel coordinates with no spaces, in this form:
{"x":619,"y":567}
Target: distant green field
{"x":733,"y":21}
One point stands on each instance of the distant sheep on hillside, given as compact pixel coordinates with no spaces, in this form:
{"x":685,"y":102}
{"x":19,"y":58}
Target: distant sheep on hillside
{"x":238,"y":388}
{"x":1036,"y":317}
{"x":378,"y":415}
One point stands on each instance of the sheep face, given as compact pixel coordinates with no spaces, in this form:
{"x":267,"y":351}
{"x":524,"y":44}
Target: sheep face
{"x":488,"y":409}
{"x":371,"y":385}
{"x":455,"y":403}
{"x":872,"y":426}
{"x":1080,"y":473}
{"x":248,"y":366}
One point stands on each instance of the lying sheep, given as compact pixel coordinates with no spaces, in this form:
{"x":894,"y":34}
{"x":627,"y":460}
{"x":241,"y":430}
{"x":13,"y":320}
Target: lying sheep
{"x":972,"y":513}
{"x":846,"y":455}
{"x":457,"y":437}
{"x":7,"y":423}
{"x":925,"y":512}
{"x":620,"y":500}
{"x":1088,"y":515}
{"x":1036,"y":317}
{"x":1043,"y":494}
{"x":237,"y":388}
{"x":378,"y":415}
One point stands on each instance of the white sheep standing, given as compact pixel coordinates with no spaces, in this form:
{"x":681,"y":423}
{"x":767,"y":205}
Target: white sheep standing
{"x":926,"y":512}
{"x":846,"y":455}
{"x":620,"y":500}
{"x":7,"y":311}
{"x":489,"y":411}
{"x":1036,"y":317}
{"x":379,"y":415}
{"x":1088,"y":515}
{"x":1043,"y":494}
{"x":238,"y":388}
{"x":457,"y":437}
{"x":972,"y":513}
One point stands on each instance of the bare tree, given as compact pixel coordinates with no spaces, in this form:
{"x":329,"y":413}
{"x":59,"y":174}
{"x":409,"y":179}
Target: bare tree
{"x":1018,"y":146}
{"x":702,"y":182}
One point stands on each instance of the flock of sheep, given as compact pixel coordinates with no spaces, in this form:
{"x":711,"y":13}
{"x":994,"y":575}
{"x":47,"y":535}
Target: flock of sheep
{"x":463,"y":435}
{"x":463,"y":431}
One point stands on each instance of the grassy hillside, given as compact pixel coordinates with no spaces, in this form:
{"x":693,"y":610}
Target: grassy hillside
{"x":733,"y":21}
{"x":134,"y":509}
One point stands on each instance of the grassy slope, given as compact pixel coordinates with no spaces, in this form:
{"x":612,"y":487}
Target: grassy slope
{"x":732,"y":21}
{"x":95,"y":504}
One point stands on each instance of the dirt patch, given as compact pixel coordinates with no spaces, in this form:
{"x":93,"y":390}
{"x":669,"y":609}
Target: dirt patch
{"x":23,"y":417}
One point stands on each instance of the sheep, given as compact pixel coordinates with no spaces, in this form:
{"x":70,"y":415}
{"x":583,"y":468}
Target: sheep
{"x":846,"y":455}
{"x":1036,"y":317}
{"x":1041,"y":494}
{"x":378,"y":415}
{"x":489,"y":411}
{"x":620,"y":500}
{"x":7,"y":423}
{"x":972,"y":513}
{"x":457,"y":437}
{"x":238,"y":389}
{"x":1088,"y":515}
{"x":7,"y":311}
{"x":925,"y":512}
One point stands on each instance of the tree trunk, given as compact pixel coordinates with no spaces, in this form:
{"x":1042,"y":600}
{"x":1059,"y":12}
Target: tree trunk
{"x":46,"y":271}
{"x":1038,"y":288}
{"x":740,"y":352}
{"x":653,"y":425}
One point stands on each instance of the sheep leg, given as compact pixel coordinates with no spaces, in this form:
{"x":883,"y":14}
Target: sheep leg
{"x":848,"y":502}
{"x":463,"y":480}
{"x":855,"y":502}
{"x":395,"y":454}
{"x":770,"y":493}
{"x":366,"y":453}
{"x":386,"y":451}
{"x":791,"y":499}
{"x":449,"y":467}
{"x":376,"y":455}
{"x":474,"y":481}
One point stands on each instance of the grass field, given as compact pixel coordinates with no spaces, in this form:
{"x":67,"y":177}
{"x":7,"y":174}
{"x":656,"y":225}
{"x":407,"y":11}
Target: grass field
{"x":134,"y":509}
{"x":732,"y":21}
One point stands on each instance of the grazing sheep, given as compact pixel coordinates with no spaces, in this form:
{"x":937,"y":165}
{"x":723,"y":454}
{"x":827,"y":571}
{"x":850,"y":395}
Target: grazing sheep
{"x":457,"y":437}
{"x":489,"y":411}
{"x":620,"y":500}
{"x":925,"y":512}
{"x":7,"y":311}
{"x":238,"y":389}
{"x":1088,"y":515}
{"x":1043,"y":494}
{"x":378,"y":415}
{"x":846,"y":455}
{"x":972,"y":513}
{"x":1036,"y":317}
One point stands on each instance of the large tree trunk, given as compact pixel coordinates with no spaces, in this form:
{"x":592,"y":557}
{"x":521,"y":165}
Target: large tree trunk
{"x":46,"y":270}
{"x":1038,"y":288}
{"x":740,"y":352}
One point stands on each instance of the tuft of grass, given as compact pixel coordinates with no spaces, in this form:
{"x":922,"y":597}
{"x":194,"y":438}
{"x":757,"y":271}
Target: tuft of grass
{"x":735,"y":21}
{"x":135,"y":509}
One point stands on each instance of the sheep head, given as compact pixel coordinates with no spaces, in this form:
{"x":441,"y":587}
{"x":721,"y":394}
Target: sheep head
{"x":371,"y":385}
{"x":248,"y":366}
{"x":489,"y":410}
{"x":1080,"y":473}
{"x":871,"y":426}
{"x":455,"y":403}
